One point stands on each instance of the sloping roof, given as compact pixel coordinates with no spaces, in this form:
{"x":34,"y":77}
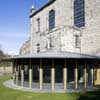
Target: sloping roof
{"x":44,"y":6}
{"x":57,"y":54}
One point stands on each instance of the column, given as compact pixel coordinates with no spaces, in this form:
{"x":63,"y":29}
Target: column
{"x":30,"y":75}
{"x":30,"y":78}
{"x":95,"y":73}
{"x":65,"y":76}
{"x":16,"y":76}
{"x":92,"y":76}
{"x":14,"y":72}
{"x":97,"y":76}
{"x":76,"y":76}
{"x":52,"y":75}
{"x":41,"y":75}
{"x":85,"y":77}
{"x":16,"y":65}
{"x":13,"y":67}
{"x":22,"y":76}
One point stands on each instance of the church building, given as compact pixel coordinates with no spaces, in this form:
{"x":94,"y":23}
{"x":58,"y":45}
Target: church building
{"x":63,"y":49}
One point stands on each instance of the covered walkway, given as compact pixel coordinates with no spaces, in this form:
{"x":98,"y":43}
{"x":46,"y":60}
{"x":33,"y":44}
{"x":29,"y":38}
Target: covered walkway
{"x":57,"y":70}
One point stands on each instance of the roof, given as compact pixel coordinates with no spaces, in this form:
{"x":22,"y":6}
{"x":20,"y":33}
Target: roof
{"x":57,"y":54}
{"x":44,"y":6}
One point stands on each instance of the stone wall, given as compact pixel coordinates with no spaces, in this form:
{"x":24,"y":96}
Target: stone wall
{"x":5,"y":70}
{"x":63,"y":36}
{"x":91,"y":33}
{"x":25,"y":49}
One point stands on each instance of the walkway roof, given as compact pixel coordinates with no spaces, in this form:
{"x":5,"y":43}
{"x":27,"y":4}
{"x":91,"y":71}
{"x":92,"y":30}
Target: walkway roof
{"x":57,"y":54}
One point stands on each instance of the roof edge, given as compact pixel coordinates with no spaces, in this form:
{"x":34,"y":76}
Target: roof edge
{"x":44,"y":6}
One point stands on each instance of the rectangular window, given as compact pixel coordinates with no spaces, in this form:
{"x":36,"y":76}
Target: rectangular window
{"x":51,"y":19}
{"x":38,"y":24}
{"x":79,"y":13}
{"x":77,"y":41}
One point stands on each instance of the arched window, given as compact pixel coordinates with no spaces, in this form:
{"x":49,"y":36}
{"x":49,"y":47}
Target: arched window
{"x":51,"y":19}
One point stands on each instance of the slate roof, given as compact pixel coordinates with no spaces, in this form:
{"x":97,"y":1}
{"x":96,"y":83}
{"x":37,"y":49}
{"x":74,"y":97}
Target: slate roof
{"x":57,"y":54}
{"x":44,"y":6}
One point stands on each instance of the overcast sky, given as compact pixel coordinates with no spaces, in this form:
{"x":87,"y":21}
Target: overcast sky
{"x":14,"y":23}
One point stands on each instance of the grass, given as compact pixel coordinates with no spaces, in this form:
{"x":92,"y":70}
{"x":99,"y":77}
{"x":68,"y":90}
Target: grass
{"x":10,"y":94}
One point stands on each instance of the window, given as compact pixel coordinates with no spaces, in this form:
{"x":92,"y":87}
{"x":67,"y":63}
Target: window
{"x":79,"y":13}
{"x":38,"y":48}
{"x":51,"y":19}
{"x":77,"y":41}
{"x":38,"y":24}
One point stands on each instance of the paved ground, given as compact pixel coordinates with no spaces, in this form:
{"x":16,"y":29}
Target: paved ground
{"x":10,"y":84}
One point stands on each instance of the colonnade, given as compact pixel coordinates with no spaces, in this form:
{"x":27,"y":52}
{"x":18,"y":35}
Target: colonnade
{"x":65,"y":69}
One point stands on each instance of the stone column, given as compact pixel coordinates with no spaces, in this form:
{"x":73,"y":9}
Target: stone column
{"x":52,"y":75}
{"x":85,"y":77}
{"x":65,"y":76}
{"x":41,"y":75}
{"x":14,"y":72}
{"x":30,"y":77}
{"x":22,"y":76}
{"x":76,"y":76}
{"x":30,"y":74}
{"x":13,"y":67}
{"x":16,"y":77}
{"x":92,"y":76}
{"x":97,"y":76}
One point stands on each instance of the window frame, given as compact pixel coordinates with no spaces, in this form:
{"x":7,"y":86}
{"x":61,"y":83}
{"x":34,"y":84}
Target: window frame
{"x":38,"y":25}
{"x":51,"y":19}
{"x":77,"y":41}
{"x":38,"y":47}
{"x":79,"y":13}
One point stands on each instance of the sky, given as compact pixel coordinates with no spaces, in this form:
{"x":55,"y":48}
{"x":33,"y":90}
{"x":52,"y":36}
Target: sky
{"x":15,"y":23}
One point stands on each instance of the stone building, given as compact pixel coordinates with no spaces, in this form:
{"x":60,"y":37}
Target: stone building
{"x":75,"y":26}
{"x":90,"y":36}
{"x":52,"y":27}
{"x":64,"y":47}
{"x":25,"y":49}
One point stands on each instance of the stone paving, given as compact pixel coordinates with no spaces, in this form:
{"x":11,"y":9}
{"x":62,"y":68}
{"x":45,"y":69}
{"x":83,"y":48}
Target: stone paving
{"x":10,"y":84}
